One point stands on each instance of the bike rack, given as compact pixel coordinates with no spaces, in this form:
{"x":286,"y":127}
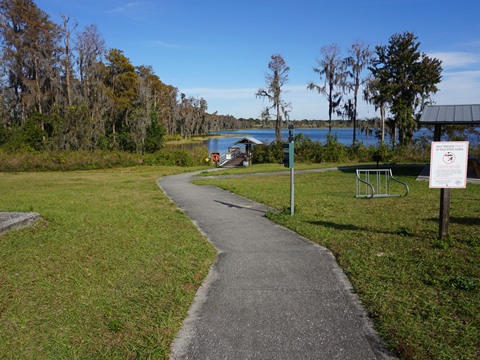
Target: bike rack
{"x":376,"y":183}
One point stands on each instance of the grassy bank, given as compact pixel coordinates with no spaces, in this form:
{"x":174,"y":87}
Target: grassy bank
{"x":98,"y":159}
{"x":109,"y":272}
{"x":423,"y":294}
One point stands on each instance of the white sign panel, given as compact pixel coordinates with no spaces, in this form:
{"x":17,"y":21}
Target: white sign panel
{"x":448,"y":164}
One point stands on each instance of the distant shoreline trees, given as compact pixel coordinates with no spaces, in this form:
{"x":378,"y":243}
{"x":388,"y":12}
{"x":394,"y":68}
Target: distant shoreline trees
{"x":61,"y":88}
{"x":67,"y":89}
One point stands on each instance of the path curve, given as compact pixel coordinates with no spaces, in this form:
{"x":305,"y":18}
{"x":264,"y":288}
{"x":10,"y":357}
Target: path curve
{"x":271,"y":294}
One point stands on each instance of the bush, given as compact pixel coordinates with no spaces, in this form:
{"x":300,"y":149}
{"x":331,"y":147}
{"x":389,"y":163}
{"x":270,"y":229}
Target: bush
{"x":155,"y":137}
{"x":29,"y":137}
{"x":309,"y":151}
{"x":333,"y":151}
{"x":170,"y":158}
{"x":272,"y":153}
{"x":65,"y":160}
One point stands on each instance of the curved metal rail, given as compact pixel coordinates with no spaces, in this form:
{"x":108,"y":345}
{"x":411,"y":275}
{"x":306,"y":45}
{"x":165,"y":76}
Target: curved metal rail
{"x":368,"y":185}
{"x":381,"y":179}
{"x":407,"y":189}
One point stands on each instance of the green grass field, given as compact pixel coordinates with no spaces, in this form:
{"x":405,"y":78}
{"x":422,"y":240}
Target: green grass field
{"x":111,"y":269}
{"x":423,"y":294}
{"x":109,"y":272}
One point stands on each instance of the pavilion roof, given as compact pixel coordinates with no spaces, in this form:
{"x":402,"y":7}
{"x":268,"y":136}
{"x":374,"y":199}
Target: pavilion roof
{"x":451,"y":115}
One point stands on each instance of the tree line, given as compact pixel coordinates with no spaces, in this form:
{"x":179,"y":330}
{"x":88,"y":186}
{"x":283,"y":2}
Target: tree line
{"x":61,"y":88}
{"x":400,"y":80}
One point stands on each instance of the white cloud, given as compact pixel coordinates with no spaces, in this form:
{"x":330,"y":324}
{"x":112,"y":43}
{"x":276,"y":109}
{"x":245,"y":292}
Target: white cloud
{"x":461,"y":87}
{"x":456,"y":60}
{"x":126,"y":7}
{"x":163,"y":44}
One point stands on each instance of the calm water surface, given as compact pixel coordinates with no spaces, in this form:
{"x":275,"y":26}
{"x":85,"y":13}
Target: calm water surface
{"x":344,"y":136}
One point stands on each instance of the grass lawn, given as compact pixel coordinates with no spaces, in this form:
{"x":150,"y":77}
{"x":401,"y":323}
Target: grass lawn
{"x":423,"y":294}
{"x":109,"y":272}
{"x":268,"y":168}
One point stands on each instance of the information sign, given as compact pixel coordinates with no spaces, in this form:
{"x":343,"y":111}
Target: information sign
{"x":448,"y":164}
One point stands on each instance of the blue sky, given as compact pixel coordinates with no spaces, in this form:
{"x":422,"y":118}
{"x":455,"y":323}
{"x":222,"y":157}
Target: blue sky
{"x":220,"y":49}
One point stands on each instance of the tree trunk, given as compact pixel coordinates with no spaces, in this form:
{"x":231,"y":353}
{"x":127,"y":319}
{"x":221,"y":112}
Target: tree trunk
{"x":278,"y":125}
{"x":382,"y":116}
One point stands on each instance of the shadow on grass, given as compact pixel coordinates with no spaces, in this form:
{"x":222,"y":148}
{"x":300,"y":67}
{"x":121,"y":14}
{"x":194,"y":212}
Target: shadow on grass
{"x":460,"y":221}
{"x":397,"y":169}
{"x":349,"y":227}
{"x":332,"y":225}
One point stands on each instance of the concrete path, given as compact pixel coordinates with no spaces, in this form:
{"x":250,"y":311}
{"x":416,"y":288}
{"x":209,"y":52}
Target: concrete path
{"x":17,"y":220}
{"x":271,"y":293}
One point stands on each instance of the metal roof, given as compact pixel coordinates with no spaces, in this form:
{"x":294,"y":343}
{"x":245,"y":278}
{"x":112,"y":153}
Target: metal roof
{"x":249,"y":140}
{"x":451,"y":114}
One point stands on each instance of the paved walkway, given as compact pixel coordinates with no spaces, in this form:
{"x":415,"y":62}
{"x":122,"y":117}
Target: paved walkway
{"x":16,"y":220}
{"x":271,"y":294}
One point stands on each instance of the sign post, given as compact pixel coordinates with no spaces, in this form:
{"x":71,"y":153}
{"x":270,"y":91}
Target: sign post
{"x":291,"y":157}
{"x":448,"y":169}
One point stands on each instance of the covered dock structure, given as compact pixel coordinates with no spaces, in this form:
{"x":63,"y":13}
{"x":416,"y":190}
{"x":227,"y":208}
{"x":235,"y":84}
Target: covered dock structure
{"x":235,"y":157}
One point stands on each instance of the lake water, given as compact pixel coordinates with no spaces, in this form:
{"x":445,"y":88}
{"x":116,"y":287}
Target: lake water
{"x":344,"y":136}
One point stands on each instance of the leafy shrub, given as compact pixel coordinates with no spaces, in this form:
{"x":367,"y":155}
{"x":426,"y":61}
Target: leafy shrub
{"x":360,"y":152}
{"x":333,"y":151}
{"x":29,"y":137}
{"x":272,"y":153}
{"x":155,"y":136}
{"x":65,"y":160}
{"x":178,"y":157}
{"x":307,"y":150}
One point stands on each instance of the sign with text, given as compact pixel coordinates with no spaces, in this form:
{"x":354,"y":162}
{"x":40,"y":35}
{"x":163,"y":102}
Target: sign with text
{"x":448,"y":164}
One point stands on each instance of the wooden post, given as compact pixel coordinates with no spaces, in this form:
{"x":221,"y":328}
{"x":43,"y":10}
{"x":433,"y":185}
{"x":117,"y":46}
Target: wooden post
{"x":444,"y":213}
{"x":444,"y":218}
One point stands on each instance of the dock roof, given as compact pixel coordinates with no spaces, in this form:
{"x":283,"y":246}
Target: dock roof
{"x":249,"y":141}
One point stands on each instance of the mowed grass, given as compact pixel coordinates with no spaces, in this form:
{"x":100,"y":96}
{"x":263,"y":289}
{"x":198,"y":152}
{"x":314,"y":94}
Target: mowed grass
{"x":109,"y":272}
{"x":422,"y":293}
{"x":265,"y":168}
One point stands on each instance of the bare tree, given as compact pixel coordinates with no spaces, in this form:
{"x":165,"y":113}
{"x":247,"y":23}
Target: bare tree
{"x":90,"y":48}
{"x":359,"y":58}
{"x":330,"y":69}
{"x":67,"y":33}
{"x":273,"y":92}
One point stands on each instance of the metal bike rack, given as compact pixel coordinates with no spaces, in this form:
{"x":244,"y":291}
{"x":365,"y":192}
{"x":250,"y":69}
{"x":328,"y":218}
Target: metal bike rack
{"x":376,"y":183}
